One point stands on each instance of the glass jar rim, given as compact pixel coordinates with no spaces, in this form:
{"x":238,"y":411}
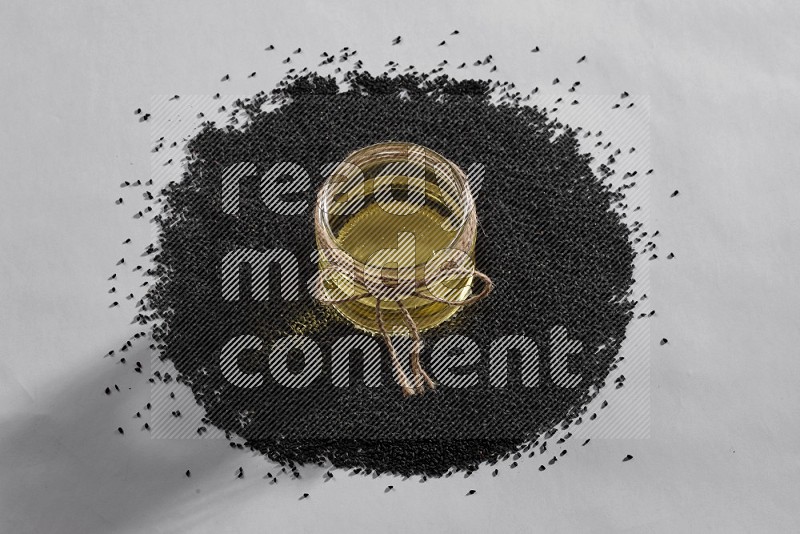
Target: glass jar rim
{"x":385,"y":150}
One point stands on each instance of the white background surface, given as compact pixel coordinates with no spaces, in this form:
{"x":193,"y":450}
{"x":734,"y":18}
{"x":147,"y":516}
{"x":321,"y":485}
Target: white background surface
{"x":723,"y":83}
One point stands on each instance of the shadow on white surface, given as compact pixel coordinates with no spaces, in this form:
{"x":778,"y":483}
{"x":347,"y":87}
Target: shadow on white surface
{"x":67,"y":469}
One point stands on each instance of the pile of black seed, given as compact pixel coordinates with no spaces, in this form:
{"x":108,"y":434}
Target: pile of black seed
{"x":548,"y":237}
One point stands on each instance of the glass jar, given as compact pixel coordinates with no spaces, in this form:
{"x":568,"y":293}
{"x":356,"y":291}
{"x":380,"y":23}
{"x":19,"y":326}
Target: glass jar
{"x":395,"y":222}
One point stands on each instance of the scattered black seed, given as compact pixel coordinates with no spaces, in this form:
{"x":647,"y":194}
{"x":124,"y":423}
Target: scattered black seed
{"x":108,"y":391}
{"x":627,"y":458}
{"x":555,"y":81}
{"x":675,"y":193}
{"x":670,"y":256}
{"x":455,"y":32}
{"x":305,"y":496}
{"x":188,"y":473}
{"x":397,"y":40}
{"x":582,"y":59}
{"x":542,"y":468}
{"x":535,"y":49}
{"x":226,"y":78}
{"x":586,"y":442}
{"x":137,"y":111}
{"x":120,"y":430}
{"x":465,"y":99}
{"x":471,"y":492}
{"x":442,"y":43}
{"x":664,"y":341}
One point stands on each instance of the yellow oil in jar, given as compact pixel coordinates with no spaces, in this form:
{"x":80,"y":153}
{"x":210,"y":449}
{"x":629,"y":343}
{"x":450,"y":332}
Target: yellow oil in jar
{"x":417,"y":237}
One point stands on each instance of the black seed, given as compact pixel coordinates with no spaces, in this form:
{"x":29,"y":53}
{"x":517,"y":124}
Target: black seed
{"x":433,"y":458}
{"x":627,"y":458}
